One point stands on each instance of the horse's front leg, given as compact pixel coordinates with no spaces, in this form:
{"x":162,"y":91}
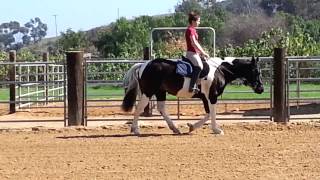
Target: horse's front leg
{"x":214,"y":125}
{"x":161,"y":108}
{"x":198,"y":124}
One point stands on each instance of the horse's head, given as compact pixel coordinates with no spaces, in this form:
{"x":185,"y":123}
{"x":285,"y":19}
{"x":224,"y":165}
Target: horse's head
{"x":252,"y":76}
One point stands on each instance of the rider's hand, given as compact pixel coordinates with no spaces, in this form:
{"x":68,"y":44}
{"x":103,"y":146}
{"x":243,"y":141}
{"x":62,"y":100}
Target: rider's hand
{"x":205,"y":55}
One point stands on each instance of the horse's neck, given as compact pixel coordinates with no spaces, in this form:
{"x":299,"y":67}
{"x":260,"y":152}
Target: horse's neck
{"x":228,"y":72}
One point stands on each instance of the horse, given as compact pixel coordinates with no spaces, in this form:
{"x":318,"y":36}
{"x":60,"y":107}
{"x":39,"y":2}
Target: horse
{"x":158,"y":77}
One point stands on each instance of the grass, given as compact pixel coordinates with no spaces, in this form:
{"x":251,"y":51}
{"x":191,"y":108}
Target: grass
{"x":4,"y":94}
{"x":105,"y":92}
{"x":244,"y":92}
{"x":231,"y":92}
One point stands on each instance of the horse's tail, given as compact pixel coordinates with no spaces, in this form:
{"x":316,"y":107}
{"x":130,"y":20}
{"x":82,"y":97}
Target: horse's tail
{"x":131,"y":86}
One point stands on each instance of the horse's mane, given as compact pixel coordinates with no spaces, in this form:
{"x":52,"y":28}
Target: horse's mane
{"x":216,"y":61}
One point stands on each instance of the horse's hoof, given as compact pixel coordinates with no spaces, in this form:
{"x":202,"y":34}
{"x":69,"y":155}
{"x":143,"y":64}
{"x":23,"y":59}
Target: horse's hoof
{"x":191,"y":128}
{"x":135,"y":131}
{"x":176,"y":131}
{"x":218,"y":131}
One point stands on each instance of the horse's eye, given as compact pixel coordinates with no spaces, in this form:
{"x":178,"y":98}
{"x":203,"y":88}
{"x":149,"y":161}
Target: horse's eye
{"x":257,"y":72}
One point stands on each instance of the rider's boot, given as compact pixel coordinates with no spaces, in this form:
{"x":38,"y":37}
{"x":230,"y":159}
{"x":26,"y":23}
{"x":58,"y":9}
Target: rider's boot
{"x":193,"y":82}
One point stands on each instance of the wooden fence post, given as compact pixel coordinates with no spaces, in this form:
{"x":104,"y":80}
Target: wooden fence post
{"x":75,"y":88}
{"x":148,"y":109}
{"x":280,"y":110}
{"x":12,"y":79}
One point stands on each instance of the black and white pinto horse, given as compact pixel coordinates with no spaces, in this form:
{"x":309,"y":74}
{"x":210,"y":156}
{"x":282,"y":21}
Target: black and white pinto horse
{"x":158,"y":77}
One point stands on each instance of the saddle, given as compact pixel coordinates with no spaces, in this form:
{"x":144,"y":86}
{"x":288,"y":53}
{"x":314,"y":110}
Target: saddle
{"x":185,"y":68}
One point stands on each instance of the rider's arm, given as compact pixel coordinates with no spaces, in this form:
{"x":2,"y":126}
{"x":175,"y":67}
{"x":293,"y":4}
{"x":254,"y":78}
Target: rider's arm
{"x":197,"y":45}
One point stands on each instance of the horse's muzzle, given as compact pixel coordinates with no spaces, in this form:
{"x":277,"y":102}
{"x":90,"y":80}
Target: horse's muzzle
{"x":259,"y":89}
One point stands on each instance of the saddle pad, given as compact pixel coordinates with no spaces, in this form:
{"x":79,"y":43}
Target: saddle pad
{"x":184,"y":68}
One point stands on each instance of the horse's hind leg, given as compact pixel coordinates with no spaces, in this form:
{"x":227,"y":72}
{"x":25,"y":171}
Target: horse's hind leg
{"x":161,"y":106}
{"x":139,"y":109}
{"x":162,"y":109}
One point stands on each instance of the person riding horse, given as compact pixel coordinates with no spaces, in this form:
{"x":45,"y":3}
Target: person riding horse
{"x":194,"y":50}
{"x":159,"y":77}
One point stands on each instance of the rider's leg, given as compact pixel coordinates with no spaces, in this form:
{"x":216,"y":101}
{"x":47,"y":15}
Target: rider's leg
{"x":198,"y":66}
{"x":194,"y":77}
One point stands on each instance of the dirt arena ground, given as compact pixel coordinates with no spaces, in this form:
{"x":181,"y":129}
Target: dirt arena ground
{"x":194,"y":109}
{"x":113,"y":108}
{"x":246,"y":151}
{"x":111,"y":111}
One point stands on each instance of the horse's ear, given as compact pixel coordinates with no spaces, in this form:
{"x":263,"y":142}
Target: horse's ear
{"x":253,"y":60}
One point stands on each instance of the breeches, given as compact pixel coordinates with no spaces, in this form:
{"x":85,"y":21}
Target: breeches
{"x":195,"y":59}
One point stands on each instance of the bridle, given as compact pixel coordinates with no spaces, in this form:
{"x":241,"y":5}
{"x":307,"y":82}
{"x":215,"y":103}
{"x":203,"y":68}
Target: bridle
{"x":253,"y":84}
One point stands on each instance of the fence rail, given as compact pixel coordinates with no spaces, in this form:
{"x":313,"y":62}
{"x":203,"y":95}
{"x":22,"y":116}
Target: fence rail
{"x":41,"y":83}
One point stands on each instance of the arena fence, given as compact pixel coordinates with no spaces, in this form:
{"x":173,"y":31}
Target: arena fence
{"x":45,"y":83}
{"x":34,"y":84}
{"x":293,"y":83}
{"x":303,"y":80}
{"x":39,"y":83}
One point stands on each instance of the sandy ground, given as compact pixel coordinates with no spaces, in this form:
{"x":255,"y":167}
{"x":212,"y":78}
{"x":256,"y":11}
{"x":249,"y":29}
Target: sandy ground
{"x":106,"y":113}
{"x":194,"y":108}
{"x":112,"y":110}
{"x":107,"y":150}
{"x":246,"y":151}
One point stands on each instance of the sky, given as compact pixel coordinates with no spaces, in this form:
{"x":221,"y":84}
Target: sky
{"x":80,"y":15}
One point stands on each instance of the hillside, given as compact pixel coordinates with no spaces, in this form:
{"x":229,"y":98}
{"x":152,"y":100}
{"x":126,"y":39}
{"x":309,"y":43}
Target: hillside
{"x":236,"y":23}
{"x":42,"y":45}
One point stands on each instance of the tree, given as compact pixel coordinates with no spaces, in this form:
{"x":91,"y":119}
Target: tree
{"x":14,"y":36}
{"x":7,"y":32}
{"x":37,"y":28}
{"x":308,"y":9}
{"x":189,"y":5}
{"x":73,"y":40}
{"x":126,"y":38}
{"x":207,"y":3}
{"x":243,"y":6}
{"x":271,"y":7}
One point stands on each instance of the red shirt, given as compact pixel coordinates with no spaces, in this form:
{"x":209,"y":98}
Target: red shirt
{"x":191,"y":31}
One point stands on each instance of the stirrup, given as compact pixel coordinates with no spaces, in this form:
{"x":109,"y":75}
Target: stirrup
{"x":195,"y":90}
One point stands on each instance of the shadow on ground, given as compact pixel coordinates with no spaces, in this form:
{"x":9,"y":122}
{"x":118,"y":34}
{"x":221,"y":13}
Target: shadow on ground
{"x":304,"y":109}
{"x":120,"y":136}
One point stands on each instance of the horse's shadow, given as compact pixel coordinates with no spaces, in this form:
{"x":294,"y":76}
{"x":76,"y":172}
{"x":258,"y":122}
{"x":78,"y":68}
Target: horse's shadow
{"x":120,"y":136}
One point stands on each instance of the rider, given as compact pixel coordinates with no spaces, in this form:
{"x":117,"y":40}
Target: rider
{"x":194,"y":50}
